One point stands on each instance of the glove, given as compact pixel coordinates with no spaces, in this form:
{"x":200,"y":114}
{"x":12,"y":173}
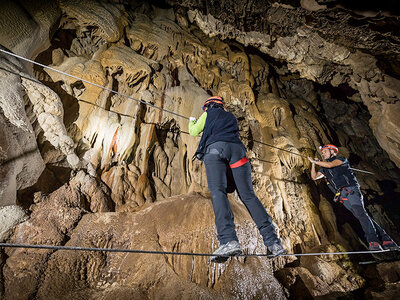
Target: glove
{"x":191,"y":119}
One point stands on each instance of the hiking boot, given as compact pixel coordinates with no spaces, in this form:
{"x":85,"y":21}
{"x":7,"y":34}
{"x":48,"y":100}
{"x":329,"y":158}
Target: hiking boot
{"x":222,"y":254}
{"x":374,"y":246}
{"x":390,"y":245}
{"x":276,"y":249}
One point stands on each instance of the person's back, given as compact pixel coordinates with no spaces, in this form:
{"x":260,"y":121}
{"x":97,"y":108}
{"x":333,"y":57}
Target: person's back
{"x":221,"y":126}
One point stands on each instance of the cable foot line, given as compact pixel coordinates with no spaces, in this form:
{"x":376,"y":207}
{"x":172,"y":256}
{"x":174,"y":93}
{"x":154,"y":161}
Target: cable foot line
{"x":76,"y":248}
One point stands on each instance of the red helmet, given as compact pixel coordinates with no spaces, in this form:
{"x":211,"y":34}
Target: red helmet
{"x":329,"y":146}
{"x":214,"y":99}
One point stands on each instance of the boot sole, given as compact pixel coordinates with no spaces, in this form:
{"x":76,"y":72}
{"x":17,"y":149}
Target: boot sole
{"x":392,"y":248}
{"x":224,"y":258}
{"x":278,"y":253}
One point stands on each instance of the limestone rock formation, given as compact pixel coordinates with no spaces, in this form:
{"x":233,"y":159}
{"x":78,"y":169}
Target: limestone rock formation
{"x":334,"y":51}
{"x":10,"y":216}
{"x":108,"y":120}
{"x":21,"y":163}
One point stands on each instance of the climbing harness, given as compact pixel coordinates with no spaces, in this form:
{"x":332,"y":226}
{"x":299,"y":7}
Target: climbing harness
{"x":337,"y":196}
{"x":239,"y":163}
{"x":215,"y":99}
{"x":73,"y":248}
{"x":341,"y":199}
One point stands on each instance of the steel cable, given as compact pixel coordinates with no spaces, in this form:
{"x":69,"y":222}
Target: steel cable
{"x":75,"y":248}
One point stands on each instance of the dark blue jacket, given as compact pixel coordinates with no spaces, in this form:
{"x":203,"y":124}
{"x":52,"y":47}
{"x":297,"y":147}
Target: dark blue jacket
{"x":221,"y":126}
{"x":340,"y":176}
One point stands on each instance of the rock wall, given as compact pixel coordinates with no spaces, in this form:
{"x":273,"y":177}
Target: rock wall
{"x":21,"y":163}
{"x":328,"y":45}
{"x":25,"y":29}
{"x":133,"y":183}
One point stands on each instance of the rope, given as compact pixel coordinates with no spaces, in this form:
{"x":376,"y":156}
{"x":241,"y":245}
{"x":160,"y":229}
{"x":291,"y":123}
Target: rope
{"x":94,"y":84}
{"x":362,"y":171}
{"x":72,"y":248}
{"x":143,"y":102}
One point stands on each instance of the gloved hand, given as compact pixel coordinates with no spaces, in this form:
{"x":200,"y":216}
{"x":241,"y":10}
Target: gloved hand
{"x":313,"y":161}
{"x":192,"y":119}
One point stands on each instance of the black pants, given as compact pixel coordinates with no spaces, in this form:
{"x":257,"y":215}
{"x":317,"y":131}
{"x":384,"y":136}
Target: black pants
{"x":352,"y":199}
{"x":221,"y":154}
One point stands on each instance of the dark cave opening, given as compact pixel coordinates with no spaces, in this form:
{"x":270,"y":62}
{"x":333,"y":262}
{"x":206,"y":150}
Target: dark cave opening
{"x":52,"y":178}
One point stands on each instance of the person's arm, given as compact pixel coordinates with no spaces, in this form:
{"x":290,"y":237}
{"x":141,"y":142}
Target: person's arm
{"x":314,"y":174}
{"x":196,"y":127}
{"x":328,"y":164}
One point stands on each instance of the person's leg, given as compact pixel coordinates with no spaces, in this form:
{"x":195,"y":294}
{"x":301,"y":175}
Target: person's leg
{"x":242,"y":176}
{"x":217,"y":184}
{"x":353,"y":201}
{"x":366,"y":223}
{"x":387,"y":242}
{"x":381,"y":232}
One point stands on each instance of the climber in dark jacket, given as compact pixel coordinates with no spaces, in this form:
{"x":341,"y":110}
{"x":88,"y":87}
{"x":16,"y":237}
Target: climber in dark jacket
{"x":223,"y":153}
{"x":342,"y":182}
